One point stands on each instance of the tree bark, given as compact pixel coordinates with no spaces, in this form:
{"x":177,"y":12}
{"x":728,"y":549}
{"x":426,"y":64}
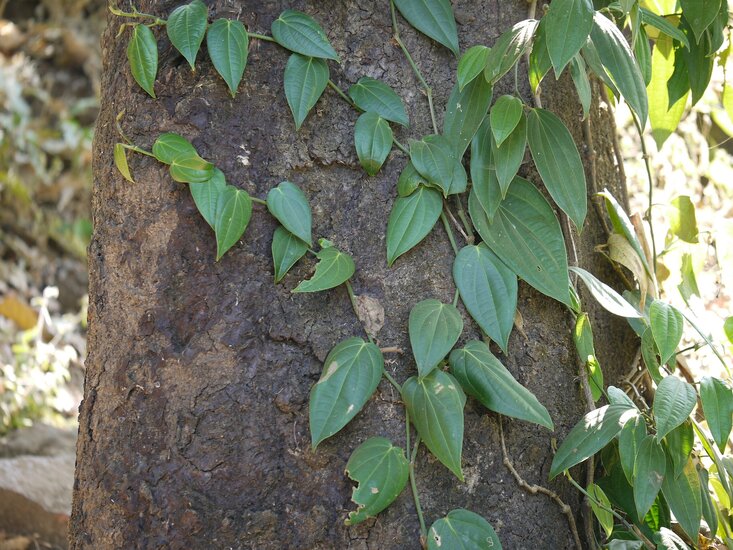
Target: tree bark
{"x":194,"y":425}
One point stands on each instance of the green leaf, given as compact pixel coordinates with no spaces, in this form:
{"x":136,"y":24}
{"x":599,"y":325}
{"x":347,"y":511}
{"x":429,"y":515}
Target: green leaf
{"x":631,"y":436}
{"x":290,"y":206}
{"x":583,"y":337}
{"x":206,"y":195}
{"x":709,"y":509}
{"x":663,"y":117}
{"x":170,"y":147}
{"x":717,"y":404}
{"x":728,"y":329}
{"x":433,"y":18}
{"x":409,"y":180}
{"x":411,"y":220}
{"x":300,"y":33}
{"x":228,"y":43}
{"x":679,"y":443}
{"x":568,"y":25}
{"x":333,"y":268}
{"x":649,"y":471}
{"x":607,"y":297}
{"x":699,"y":14}
{"x":697,"y":64}
{"x":435,"y":404}
{"x":186,"y":27}
{"x":472,"y":63}
{"x":659,"y":22}
{"x":120,"y":157}
{"x":142,"y":54}
{"x":381,"y":470}
{"x":373,"y":141}
{"x":484,"y":377}
{"x":558,"y":162}
{"x":464,"y":113}
{"x":372,"y":95}
{"x":666,"y":324}
{"x":526,"y":236}
{"x":673,"y":403}
{"x":433,"y":159}
{"x":305,"y":80}
{"x":602,"y":510}
{"x":682,"y":220}
{"x":683,"y":497}
{"x":590,"y":435}
{"x":434,"y":329}
{"x":287,"y":249}
{"x":582,"y":83}
{"x":508,"y":48}
{"x":505,"y":115}
{"x":592,"y":59}
{"x":233,"y":211}
{"x":643,"y":53}
{"x":539,"y":59}
{"x":688,"y":284}
{"x":488,"y":289}
{"x":462,"y":529}
{"x":351,"y":372}
{"x":191,"y":169}
{"x":483,"y":171}
{"x":509,"y":155}
{"x":650,"y":355}
{"x":618,"y":59}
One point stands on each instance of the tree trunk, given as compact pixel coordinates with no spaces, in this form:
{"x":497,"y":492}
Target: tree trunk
{"x":194,"y":425}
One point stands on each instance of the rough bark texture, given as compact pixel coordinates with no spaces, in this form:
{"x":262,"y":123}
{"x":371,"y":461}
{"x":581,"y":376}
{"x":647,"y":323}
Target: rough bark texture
{"x":194,"y":427}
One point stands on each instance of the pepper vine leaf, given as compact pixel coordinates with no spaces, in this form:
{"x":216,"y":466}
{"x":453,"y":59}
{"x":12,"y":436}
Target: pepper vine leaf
{"x":233,"y":212}
{"x":411,"y":220}
{"x":228,"y":43}
{"x":434,"y":329}
{"x":305,"y":79}
{"x":373,"y":141}
{"x":186,"y":27}
{"x":433,"y":18}
{"x":287,"y":249}
{"x":333,"y":268}
{"x":372,"y":95}
{"x":142,"y":54}
{"x":462,"y":529}
{"x":300,"y":33}
{"x":290,"y":207}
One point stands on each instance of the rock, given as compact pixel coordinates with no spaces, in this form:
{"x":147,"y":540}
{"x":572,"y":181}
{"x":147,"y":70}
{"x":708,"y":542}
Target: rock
{"x":11,"y":37}
{"x":45,"y":480}
{"x":38,"y":440}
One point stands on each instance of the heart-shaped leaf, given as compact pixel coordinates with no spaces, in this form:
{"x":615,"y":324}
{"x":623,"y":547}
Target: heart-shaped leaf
{"x":120,"y":158}
{"x":142,"y":54}
{"x":434,"y":329}
{"x":649,"y":470}
{"x":505,"y":115}
{"x":411,"y":220}
{"x":286,"y":250}
{"x":373,"y":141}
{"x":666,"y":324}
{"x":435,"y":404}
{"x":433,"y":159}
{"x":673,"y":403}
{"x":717,"y":404}
{"x":582,"y":83}
{"x":483,"y":171}
{"x":409,"y":180}
{"x":233,"y":211}
{"x":472,"y":64}
{"x":462,"y":529}
{"x":186,"y":27}
{"x":334,"y":267}
{"x":433,"y":18}
{"x":569,"y":23}
{"x":351,"y":373}
{"x":305,"y":80}
{"x":464,"y":113}
{"x":192,"y":169}
{"x":300,"y":33}
{"x":678,"y":444}
{"x":206,"y":195}
{"x":169,"y":147}
{"x":228,"y":43}
{"x":290,"y":206}
{"x":509,"y":155}
{"x":539,"y":58}
{"x":372,"y":95}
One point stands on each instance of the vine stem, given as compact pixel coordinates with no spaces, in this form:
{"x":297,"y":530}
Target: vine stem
{"x":455,"y":222}
{"x":400,"y":146}
{"x":413,"y":485}
{"x":138,"y":150}
{"x":258,"y":201}
{"x":449,"y":231}
{"x":645,"y":155}
{"x":134,"y":14}
{"x":341,"y":93}
{"x":392,"y":381}
{"x":260,"y":37}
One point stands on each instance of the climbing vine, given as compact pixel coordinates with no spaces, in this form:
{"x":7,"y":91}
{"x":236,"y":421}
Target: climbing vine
{"x":658,"y":461}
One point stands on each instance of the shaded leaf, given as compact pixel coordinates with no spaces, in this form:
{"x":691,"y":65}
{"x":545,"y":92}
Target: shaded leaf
{"x":372,"y":95}
{"x":464,"y":113}
{"x":433,"y":18}
{"x":508,"y":48}
{"x":287,"y":249}
{"x":700,"y":13}
{"x":679,"y":443}
{"x":483,"y":171}
{"x":462,"y":529}
{"x":568,"y":25}
{"x":191,"y":169}
{"x":186,"y":27}
{"x":433,"y":159}
{"x":582,"y":83}
{"x":233,"y":211}
{"x":539,"y":59}
{"x":299,"y":33}
{"x":290,"y":207}
{"x":411,"y":220}
{"x":227,"y":42}
{"x":649,"y":471}
{"x":305,"y":80}
{"x":505,"y":115}
{"x":509,"y":155}
{"x":472,"y":63}
{"x":409,"y":180}
{"x":673,"y":403}
{"x":683,"y":497}
{"x":333,"y":268}
{"x":206,"y":195}
{"x":629,"y":440}
{"x":373,"y":141}
{"x":170,"y":147}
{"x":142,"y":54}
{"x":661,"y":23}
{"x":434,"y":329}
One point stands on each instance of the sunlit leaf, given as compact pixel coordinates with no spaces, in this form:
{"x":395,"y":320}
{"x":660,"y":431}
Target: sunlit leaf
{"x":120,"y":158}
{"x":142,"y":54}
{"x":666,"y":324}
{"x":717,"y":404}
{"x":472,"y":64}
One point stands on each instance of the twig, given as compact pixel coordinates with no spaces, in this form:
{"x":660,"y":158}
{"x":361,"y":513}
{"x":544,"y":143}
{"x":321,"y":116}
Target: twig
{"x":645,"y":156}
{"x":392,"y":349}
{"x":455,"y":222}
{"x":614,"y":141}
{"x":341,"y":93}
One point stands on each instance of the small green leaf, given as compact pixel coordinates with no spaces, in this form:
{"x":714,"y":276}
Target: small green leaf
{"x":300,"y":33}
{"x":228,"y":43}
{"x":631,"y":436}
{"x":351,"y":373}
{"x":590,"y":435}
{"x":433,"y":159}
{"x":464,"y":113}
{"x":508,"y":48}
{"x":582,"y":83}
{"x":170,"y":147}
{"x":409,"y":180}
{"x":483,"y":171}
{"x":411,"y":220}
{"x":601,"y":507}
{"x":488,"y":289}
{"x":696,"y":64}
{"x":509,"y":155}
{"x":485,"y":378}
{"x":305,"y":80}
{"x":290,"y":206}
{"x":434,"y":329}
{"x":505,"y":115}
{"x":717,"y":404}
{"x":373,"y":141}
{"x":700,"y":14}
{"x":583,"y":336}
{"x":650,"y":355}
{"x":569,"y":23}
{"x":607,"y":297}
{"x":472,"y":64}
{"x":649,"y":471}
{"x":728,"y":329}
{"x":682,"y":220}
{"x":333,"y":268}
{"x":462,"y":529}
{"x":558,"y":162}
{"x":673,"y":403}
{"x":679,"y":443}
{"x":372,"y":95}
{"x":120,"y":157}
{"x":666,"y":324}
{"x":433,"y":18}
{"x":233,"y":211}
{"x":206,"y":195}
{"x":186,"y":27}
{"x":435,"y":404}
{"x":683,"y":496}
{"x":142,"y":54}
{"x":381,"y":470}
{"x":287,"y":249}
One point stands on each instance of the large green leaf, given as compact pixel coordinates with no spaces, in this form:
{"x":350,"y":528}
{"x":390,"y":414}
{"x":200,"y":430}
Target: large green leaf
{"x":351,"y":373}
{"x":372,"y":95}
{"x":717,"y":404}
{"x":434,"y":329}
{"x":300,"y":33}
{"x":699,"y":14}
{"x":435,"y":404}
{"x":643,"y":53}
{"x":433,"y":18}
{"x":120,"y":158}
{"x":228,"y":43}
{"x":485,"y":378}
{"x":558,"y":162}
{"x":607,"y":297}
{"x":483,"y":171}
{"x":508,"y":48}
{"x":464,"y":113}
{"x":411,"y":220}
{"x":305,"y":80}
{"x":142,"y":54}
{"x":666,"y":324}
{"x":381,"y":470}
{"x":568,"y":24}
{"x":509,"y":155}
{"x":287,"y":249}
{"x":462,"y":529}
{"x":505,"y":115}
{"x":233,"y":211}
{"x":683,"y":496}
{"x":290,"y":206}
{"x":595,"y":430}
{"x":373,"y":141}
{"x":539,"y":58}
{"x":472,"y":64}
{"x":629,"y":440}
{"x":694,"y":66}
{"x":186,"y":27}
{"x":434,"y":160}
{"x":333,"y":268}
{"x":649,"y":471}
{"x":488,"y":289}
{"x":526,"y":236}
{"x":618,"y":59}
{"x":663,"y":117}
{"x":206,"y":195}
{"x":673,"y":403}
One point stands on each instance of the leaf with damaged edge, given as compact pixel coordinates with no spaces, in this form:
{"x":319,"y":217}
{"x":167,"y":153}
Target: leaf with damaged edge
{"x":333,"y":268}
{"x":462,"y":529}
